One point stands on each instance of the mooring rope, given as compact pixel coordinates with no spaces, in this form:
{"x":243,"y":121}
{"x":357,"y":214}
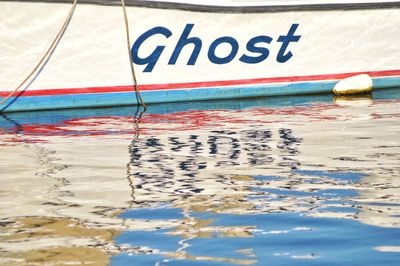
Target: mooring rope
{"x":47,"y":54}
{"x":55,"y":43}
{"x":128,"y":42}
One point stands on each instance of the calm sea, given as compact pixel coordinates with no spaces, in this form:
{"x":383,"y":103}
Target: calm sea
{"x":277,"y":181}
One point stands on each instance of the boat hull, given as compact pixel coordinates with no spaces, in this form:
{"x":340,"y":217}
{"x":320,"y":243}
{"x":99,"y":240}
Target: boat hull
{"x":184,"y":55}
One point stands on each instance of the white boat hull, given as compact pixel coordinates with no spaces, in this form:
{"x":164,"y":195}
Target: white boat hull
{"x":182,"y":55}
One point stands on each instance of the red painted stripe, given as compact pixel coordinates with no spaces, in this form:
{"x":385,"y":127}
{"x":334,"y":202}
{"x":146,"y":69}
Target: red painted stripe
{"x":177,"y":86}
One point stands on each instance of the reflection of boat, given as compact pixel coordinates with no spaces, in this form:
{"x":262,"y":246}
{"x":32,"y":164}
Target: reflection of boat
{"x":205,"y":180}
{"x":67,"y":122}
{"x":191,"y":167}
{"x":278,"y":144}
{"x":208,"y":51}
{"x":31,"y":121}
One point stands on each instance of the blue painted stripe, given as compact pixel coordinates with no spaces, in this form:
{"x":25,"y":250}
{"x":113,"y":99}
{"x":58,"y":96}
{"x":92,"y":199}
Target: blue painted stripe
{"x":29,"y":103}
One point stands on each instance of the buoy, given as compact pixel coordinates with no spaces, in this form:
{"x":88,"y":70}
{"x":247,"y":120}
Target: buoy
{"x":359,"y":84}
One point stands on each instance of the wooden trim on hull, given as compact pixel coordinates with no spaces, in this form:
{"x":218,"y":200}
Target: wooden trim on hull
{"x":232,"y":9}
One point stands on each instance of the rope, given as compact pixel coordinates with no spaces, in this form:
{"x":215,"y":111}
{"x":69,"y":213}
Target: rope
{"x":47,"y":54}
{"x":57,"y":39}
{"x":138,"y":96}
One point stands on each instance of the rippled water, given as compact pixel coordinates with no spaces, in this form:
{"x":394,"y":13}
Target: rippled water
{"x":278,"y":181}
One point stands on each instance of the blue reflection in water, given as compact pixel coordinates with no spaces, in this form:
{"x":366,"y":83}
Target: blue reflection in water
{"x":296,"y":217}
{"x":277,"y":239}
{"x":251,"y":230}
{"x":155,"y":240}
{"x":348,"y":176}
{"x":187,"y":213}
{"x":326,"y":193}
{"x":154,"y":214}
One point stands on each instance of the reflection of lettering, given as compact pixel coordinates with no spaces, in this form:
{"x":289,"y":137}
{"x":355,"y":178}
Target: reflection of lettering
{"x":289,"y":142}
{"x":289,"y":148}
{"x":196,"y":146}
{"x":172,"y":162}
{"x":256,"y":145}
{"x":225,"y":147}
{"x":213,"y":145}
{"x":176,"y":145}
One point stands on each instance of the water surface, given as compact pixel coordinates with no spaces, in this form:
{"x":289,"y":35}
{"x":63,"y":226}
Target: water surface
{"x":277,"y":181}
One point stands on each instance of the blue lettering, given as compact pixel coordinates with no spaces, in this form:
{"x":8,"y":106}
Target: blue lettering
{"x":183,"y":41}
{"x":284,"y":56}
{"x":251,"y":47}
{"x":257,"y":48}
{"x":223,"y":60}
{"x":151,"y":60}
